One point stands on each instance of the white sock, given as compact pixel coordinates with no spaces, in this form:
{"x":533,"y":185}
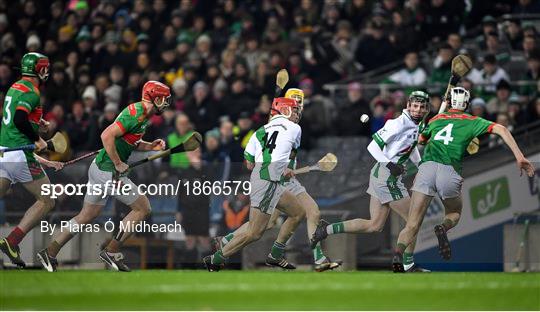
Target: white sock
{"x":321,"y":260}
{"x":329,"y":229}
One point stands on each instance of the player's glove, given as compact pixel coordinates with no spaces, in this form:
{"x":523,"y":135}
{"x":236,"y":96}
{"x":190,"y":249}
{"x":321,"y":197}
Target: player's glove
{"x":395,"y":169}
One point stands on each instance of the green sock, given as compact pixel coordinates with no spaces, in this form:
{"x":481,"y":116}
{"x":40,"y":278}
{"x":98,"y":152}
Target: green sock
{"x":336,"y":228}
{"x":278,"y":250}
{"x":318,"y":254}
{"x":408,"y":258}
{"x":227,"y":238}
{"x":218,"y":258}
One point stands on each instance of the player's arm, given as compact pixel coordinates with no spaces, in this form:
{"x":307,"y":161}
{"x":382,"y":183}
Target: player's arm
{"x":249,"y":152}
{"x":44,"y":125}
{"x":292,"y":158}
{"x":249,"y":165}
{"x":22,"y":121}
{"x":522,"y":162}
{"x":156,"y":145}
{"x":57,"y":165}
{"x":297,"y":138}
{"x":108,"y":138}
{"x":376,"y":152}
{"x":425,"y":134}
{"x":415,"y":156}
{"x":388,"y":133}
{"x":423,"y":139}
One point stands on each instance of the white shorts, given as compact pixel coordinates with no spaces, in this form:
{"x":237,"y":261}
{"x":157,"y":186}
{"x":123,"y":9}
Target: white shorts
{"x":103,"y":179}
{"x":385,"y":187}
{"x":18,"y":168}
{"x":265,"y":194}
{"x":294,"y":187}
{"x":438,"y":179}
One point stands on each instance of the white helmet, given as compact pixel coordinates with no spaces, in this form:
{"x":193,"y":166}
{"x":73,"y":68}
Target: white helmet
{"x":459,"y":98}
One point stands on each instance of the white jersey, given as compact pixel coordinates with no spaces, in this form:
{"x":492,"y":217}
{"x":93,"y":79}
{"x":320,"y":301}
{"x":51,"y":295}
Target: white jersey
{"x":271,"y":145}
{"x":398,"y":138}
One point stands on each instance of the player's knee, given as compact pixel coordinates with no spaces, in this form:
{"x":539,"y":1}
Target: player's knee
{"x":271,"y":223}
{"x":142,"y":206}
{"x":299,"y":216}
{"x":84,"y":218}
{"x":375,"y":228}
{"x":146,"y":210}
{"x":254,"y":235}
{"x":313,"y":215}
{"x":5,"y":185}
{"x":48,"y":203}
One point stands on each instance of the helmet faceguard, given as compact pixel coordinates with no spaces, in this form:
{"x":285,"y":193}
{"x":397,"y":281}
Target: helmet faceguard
{"x":459,"y":98}
{"x":286,"y":107}
{"x":418,"y":105}
{"x":161,"y":103}
{"x":158,"y":94}
{"x":35,"y":65}
{"x":297,"y":95}
{"x":42,"y":69}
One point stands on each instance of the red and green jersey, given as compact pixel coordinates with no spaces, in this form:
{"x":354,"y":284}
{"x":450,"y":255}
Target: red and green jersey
{"x":23,"y":95}
{"x":133,"y":122}
{"x":449,"y":134}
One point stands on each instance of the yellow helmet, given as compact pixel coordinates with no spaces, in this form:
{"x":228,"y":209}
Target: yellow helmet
{"x":295,"y":94}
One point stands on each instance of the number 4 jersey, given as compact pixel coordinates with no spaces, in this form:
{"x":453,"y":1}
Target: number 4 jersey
{"x":449,"y":134}
{"x":270,"y":147}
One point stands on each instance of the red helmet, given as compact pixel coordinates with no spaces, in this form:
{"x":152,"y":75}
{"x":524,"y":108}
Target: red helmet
{"x":283,"y":106}
{"x":157,"y":93}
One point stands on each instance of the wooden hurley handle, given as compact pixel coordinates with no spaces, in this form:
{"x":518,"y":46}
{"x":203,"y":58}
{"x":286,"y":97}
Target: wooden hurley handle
{"x":305,"y":169}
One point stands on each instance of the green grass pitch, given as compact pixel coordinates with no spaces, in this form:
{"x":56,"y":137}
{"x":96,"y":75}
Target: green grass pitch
{"x":267,"y":290}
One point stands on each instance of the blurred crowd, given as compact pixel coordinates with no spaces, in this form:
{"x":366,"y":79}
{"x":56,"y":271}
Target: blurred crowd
{"x":220,"y":59}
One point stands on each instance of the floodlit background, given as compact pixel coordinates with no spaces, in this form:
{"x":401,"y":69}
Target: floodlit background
{"x":220,"y":58}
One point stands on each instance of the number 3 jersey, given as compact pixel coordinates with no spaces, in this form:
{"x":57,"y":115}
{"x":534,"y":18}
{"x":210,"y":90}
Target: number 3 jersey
{"x":22,"y":95}
{"x":398,"y":138}
{"x":270,"y":147}
{"x":449,"y":134}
